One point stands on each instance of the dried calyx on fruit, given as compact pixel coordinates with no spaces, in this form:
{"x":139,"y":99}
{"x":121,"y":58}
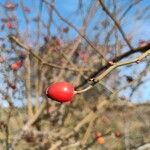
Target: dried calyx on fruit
{"x":60,"y":92}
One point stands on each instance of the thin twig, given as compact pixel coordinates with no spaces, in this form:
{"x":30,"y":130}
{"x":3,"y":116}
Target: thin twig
{"x":113,"y":67}
{"x":116,"y":59}
{"x":91,"y":115}
{"x":71,"y":25}
{"x":116,"y":23}
{"x":19,"y":43}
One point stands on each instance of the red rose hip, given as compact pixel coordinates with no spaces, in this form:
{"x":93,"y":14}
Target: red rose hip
{"x":15,"y":66}
{"x":60,"y":91}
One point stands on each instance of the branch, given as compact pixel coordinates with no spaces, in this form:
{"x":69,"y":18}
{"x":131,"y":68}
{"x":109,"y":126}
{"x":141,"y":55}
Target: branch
{"x":116,"y":59}
{"x":116,"y":23}
{"x":28,"y":86}
{"x":122,"y":16}
{"x":111,"y":68}
{"x":27,"y":126}
{"x":35,"y":117}
{"x":87,"y":119}
{"x":72,"y":26}
{"x":19,"y":43}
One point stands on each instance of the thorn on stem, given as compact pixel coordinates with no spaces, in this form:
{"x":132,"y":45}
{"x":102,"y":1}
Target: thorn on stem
{"x":94,"y":81}
{"x":111,"y":62}
{"x":137,"y":61}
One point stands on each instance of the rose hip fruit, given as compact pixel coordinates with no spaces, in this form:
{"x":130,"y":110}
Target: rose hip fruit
{"x":15,"y":66}
{"x":61,"y":92}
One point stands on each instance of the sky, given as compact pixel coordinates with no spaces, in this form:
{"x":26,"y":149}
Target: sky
{"x":140,"y":29}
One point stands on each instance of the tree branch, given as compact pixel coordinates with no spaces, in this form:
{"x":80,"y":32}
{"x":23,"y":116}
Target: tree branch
{"x":116,"y":23}
{"x":19,"y":43}
{"x":116,"y":59}
{"x":72,"y":26}
{"x":113,"y":67}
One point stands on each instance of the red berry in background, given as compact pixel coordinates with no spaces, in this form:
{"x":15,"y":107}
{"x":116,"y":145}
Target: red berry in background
{"x":61,"y":92}
{"x":15,"y":66}
{"x":100,"y":140}
{"x":10,"y":6}
{"x":19,"y":62}
{"x":10,"y":25}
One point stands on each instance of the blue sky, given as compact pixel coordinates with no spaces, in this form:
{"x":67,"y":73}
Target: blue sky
{"x":140,"y":29}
